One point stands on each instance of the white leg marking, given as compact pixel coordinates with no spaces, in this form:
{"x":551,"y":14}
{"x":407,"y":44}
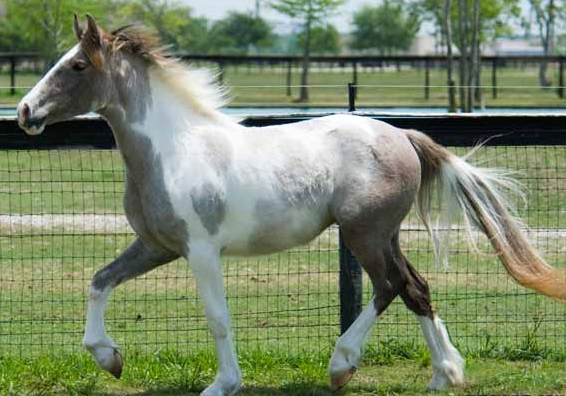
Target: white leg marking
{"x":447,"y":363}
{"x":348,"y":350}
{"x":95,"y":340}
{"x":206,"y":267}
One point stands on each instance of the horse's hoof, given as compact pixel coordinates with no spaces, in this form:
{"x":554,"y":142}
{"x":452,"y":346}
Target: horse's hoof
{"x":338,"y":381}
{"x":116,"y":369}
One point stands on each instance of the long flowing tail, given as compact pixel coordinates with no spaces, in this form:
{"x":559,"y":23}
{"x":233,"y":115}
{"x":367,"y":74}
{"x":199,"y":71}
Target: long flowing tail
{"x":477,"y":194}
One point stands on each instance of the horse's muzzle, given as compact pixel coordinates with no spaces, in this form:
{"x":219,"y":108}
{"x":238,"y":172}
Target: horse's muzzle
{"x":32,"y":125}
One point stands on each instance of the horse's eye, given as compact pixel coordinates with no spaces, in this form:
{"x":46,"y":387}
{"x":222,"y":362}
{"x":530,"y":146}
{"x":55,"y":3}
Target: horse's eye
{"x":79,"y":66}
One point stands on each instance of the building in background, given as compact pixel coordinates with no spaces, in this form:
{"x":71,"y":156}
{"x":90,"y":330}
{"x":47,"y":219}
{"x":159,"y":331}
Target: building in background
{"x":506,"y":46}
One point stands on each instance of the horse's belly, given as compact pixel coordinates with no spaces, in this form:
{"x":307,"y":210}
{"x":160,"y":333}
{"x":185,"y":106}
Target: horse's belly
{"x":278,"y":233}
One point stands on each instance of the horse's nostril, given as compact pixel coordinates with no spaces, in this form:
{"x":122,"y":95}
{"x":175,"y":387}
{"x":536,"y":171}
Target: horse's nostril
{"x":24,"y":113}
{"x":25,"y":110}
{"x":32,"y":123}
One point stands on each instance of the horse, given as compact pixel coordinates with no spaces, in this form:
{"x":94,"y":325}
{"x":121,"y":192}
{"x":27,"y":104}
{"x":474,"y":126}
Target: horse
{"x":200,"y":185}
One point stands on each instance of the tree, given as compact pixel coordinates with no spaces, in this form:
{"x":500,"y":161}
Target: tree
{"x":171,"y":20}
{"x":546,"y":13}
{"x":325,"y":39}
{"x":194,"y":37}
{"x":447,"y":31}
{"x":496,"y":16}
{"x":387,"y":28}
{"x":308,"y":13}
{"x":228,"y":34}
{"x":475,"y":22}
{"x":44,"y":26}
{"x":468,"y":42}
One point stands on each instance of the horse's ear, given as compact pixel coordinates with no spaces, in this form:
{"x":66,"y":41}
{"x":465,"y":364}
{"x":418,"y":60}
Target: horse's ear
{"x":77,"y":28}
{"x":91,"y":42}
{"x":92,"y":30}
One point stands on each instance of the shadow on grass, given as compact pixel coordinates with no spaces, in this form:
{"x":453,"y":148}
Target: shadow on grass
{"x":289,"y":389}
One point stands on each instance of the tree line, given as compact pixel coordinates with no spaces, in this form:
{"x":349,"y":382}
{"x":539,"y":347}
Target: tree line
{"x":38,"y":25}
{"x":383,"y":27}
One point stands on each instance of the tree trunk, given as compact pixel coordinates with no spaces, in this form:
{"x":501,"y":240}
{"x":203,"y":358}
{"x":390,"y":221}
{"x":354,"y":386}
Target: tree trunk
{"x":543,"y":65}
{"x":50,"y":26}
{"x":449,"y":57}
{"x":542,"y":71}
{"x":475,"y":82}
{"x":464,"y":65}
{"x":304,"y":91}
{"x":546,"y":32}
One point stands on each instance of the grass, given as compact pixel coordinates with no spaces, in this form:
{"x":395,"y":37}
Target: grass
{"x":383,"y":372}
{"x":266,"y":86}
{"x":387,"y":88}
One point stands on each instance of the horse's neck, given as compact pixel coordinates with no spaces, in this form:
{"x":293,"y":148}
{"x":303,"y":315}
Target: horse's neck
{"x":149,"y":119}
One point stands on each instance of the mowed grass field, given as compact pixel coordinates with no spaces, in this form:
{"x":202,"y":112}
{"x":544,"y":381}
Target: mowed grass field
{"x":61,"y":220}
{"x":388,"y":86}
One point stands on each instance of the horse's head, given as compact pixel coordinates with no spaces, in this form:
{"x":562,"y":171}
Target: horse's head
{"x":79,"y":82}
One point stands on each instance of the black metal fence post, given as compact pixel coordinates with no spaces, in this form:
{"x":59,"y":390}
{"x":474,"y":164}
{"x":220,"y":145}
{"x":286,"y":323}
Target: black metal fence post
{"x":289,"y":67}
{"x":427,"y":79}
{"x":351,"y":97}
{"x":561,"y":78}
{"x":355,"y":75}
{"x":12,"y":75}
{"x":350,"y":287}
{"x":494,"y":79}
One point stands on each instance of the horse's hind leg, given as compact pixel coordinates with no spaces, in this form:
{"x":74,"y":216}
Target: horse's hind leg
{"x":136,"y":260}
{"x":348,"y":350}
{"x":447,"y":363}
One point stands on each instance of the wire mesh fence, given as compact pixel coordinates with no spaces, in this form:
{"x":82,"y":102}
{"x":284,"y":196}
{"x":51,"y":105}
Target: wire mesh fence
{"x":61,"y":219}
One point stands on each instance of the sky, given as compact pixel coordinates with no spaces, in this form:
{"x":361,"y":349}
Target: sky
{"x":217,"y":9}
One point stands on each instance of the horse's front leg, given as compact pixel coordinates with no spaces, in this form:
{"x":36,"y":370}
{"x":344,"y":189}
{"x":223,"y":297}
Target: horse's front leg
{"x":136,"y":260}
{"x":206,"y":266}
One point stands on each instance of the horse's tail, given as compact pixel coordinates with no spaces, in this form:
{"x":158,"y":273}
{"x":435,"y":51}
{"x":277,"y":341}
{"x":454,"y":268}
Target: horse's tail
{"x":477,"y":193}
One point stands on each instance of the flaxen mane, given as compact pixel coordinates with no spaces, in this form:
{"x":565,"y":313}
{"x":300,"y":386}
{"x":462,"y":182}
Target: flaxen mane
{"x":139,"y":42}
{"x":199,"y":87}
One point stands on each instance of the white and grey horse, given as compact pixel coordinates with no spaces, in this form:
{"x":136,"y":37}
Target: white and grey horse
{"x":199,"y":185}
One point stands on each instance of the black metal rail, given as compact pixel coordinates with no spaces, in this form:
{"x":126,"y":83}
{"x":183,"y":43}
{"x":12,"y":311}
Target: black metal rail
{"x":462,"y":130}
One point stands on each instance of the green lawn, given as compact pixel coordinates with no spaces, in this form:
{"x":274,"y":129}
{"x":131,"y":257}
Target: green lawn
{"x":266,"y":86}
{"x":168,"y":373}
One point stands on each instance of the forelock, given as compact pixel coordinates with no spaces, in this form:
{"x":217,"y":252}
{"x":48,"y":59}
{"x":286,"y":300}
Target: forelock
{"x":138,"y":42}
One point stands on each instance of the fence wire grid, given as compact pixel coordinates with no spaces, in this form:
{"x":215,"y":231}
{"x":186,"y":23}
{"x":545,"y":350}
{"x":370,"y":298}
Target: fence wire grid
{"x":61,"y":219}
